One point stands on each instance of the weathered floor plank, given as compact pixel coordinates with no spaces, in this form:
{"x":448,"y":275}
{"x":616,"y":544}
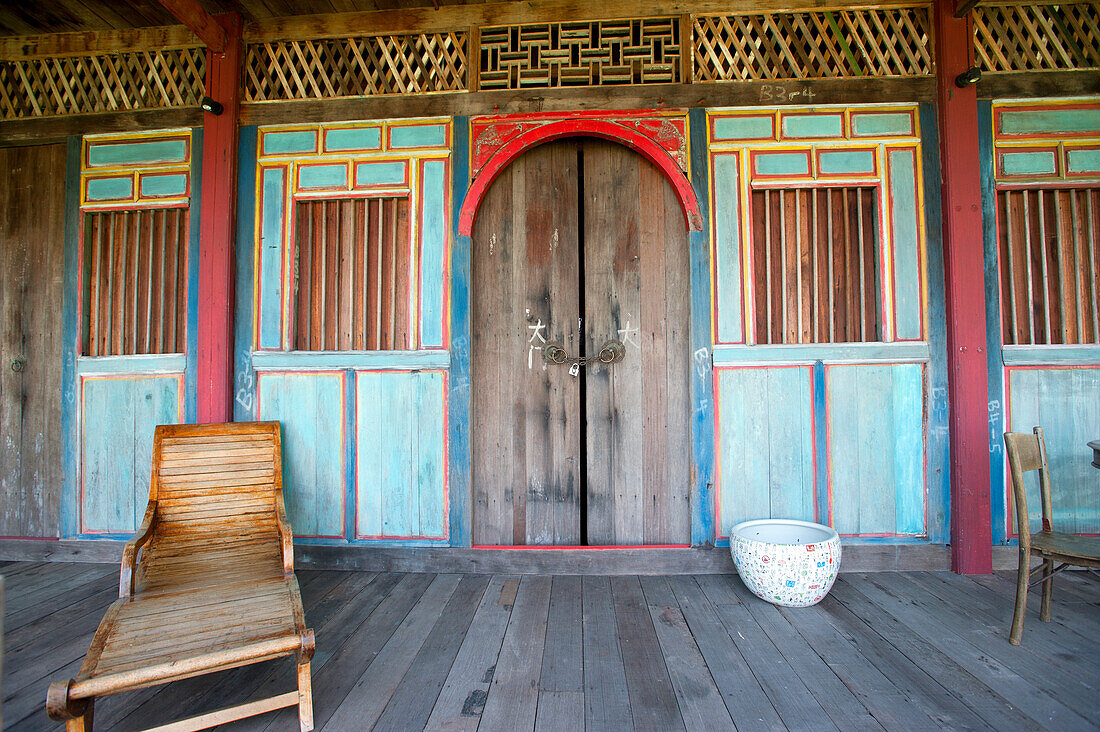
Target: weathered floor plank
{"x":904,"y":651}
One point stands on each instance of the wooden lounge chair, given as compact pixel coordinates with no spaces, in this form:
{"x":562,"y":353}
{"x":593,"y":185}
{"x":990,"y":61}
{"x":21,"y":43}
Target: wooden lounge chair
{"x":1028,"y":452}
{"x":207,"y":582}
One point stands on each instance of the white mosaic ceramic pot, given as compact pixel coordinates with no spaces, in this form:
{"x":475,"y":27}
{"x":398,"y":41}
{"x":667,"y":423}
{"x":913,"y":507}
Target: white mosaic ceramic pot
{"x":790,"y":563}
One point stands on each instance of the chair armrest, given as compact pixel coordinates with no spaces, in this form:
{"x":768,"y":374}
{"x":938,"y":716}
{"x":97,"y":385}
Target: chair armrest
{"x":286,"y":536}
{"x":130,"y":551}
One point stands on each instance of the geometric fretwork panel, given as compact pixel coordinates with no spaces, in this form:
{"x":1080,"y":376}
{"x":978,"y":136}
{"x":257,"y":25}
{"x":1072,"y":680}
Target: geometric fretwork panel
{"x":813,"y":45}
{"x":39,"y":87}
{"x":352,"y":67}
{"x":1037,"y":37}
{"x":590,"y":53}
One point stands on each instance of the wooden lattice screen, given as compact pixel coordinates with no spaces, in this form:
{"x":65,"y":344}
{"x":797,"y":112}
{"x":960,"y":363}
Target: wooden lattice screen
{"x":594,"y":53}
{"x":1037,"y":37}
{"x":352,"y":67}
{"x":37,"y":87}
{"x":1049,"y":256}
{"x":813,"y":45}
{"x":352,"y":270}
{"x":135,"y":281}
{"x":815,"y":265}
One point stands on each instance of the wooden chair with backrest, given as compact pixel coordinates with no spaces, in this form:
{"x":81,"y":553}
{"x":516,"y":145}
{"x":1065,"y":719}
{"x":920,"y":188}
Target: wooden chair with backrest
{"x":207,"y":582}
{"x":1025,"y":453}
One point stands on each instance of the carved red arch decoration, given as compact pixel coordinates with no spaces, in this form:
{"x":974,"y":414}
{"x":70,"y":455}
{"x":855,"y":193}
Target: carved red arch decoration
{"x":580,"y":127}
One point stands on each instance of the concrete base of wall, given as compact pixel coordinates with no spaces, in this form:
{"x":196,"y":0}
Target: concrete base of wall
{"x":856,"y":558}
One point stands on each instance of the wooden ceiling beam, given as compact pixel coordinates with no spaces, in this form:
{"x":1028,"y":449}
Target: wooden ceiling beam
{"x":192,"y":15}
{"x":962,"y":7}
{"x":454,"y":17}
{"x":90,"y":43}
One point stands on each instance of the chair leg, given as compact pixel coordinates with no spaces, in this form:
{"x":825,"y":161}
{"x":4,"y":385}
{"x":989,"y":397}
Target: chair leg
{"x":1022,"y":575}
{"x":1048,"y":590}
{"x":83,"y":723}
{"x":305,"y":697}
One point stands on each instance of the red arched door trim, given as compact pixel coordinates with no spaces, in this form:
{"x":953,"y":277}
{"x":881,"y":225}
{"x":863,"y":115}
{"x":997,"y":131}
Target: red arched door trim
{"x":641,"y":144}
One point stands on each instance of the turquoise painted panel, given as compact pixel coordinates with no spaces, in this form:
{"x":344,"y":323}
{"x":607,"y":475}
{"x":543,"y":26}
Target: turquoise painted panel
{"x":378,"y":174}
{"x":766,"y":444}
{"x":323,"y":176}
{"x":827,"y":353}
{"x":1029,"y":163}
{"x":744,"y":128}
{"x":353,"y":138}
{"x":1083,"y":161}
{"x":119,"y":416}
{"x":436,"y":358}
{"x":1065,"y":402}
{"x":297,"y":141}
{"x":876,"y":125}
{"x":908,"y":406}
{"x":137,"y":153}
{"x":782,"y":164}
{"x":431,"y":466}
{"x":812,"y":125}
{"x":310,"y":407}
{"x":1043,"y":121}
{"x":110,"y":189}
{"x":418,"y":136}
{"x":876,"y":448}
{"x":400,"y":454}
{"x":164,"y":185}
{"x":727,"y":231}
{"x":906,"y":230}
{"x":271,"y":258}
{"x":847,"y":161}
{"x":433,"y":245}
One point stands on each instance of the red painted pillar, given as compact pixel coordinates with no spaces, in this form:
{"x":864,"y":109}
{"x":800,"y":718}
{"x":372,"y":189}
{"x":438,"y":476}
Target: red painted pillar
{"x":971,"y":536}
{"x":216,"y":228}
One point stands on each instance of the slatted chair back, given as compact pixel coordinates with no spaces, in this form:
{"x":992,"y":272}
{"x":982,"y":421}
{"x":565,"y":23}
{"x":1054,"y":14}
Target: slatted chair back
{"x":216,"y":492}
{"x":1027,"y":452}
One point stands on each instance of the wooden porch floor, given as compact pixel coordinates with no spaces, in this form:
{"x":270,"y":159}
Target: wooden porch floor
{"x":887,"y":650}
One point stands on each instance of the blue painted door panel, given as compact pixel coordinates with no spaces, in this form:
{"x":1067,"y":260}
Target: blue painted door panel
{"x":766,"y":445}
{"x":400,"y":476}
{"x":310,"y":407}
{"x":875,"y":417}
{"x":1065,"y":402}
{"x":119,"y":416}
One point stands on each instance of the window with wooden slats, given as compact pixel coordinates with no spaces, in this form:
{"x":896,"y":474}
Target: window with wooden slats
{"x":135,"y":281}
{"x":1049,"y":242}
{"x":352,"y":274}
{"x":815,"y":265}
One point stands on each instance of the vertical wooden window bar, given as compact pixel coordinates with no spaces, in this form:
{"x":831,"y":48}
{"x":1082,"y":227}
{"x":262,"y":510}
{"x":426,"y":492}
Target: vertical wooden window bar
{"x":352,"y":275}
{"x":1049,"y":242}
{"x":135,"y":281}
{"x":815,"y":265}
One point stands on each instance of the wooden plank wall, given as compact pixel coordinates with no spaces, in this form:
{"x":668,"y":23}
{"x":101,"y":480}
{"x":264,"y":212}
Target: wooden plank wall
{"x":32,"y":217}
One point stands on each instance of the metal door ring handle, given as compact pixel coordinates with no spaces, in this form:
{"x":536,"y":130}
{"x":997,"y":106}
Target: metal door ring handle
{"x":612,"y":352}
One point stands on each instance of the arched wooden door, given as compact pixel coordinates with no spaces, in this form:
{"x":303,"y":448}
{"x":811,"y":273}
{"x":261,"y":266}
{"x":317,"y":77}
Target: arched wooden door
{"x":579,"y":243}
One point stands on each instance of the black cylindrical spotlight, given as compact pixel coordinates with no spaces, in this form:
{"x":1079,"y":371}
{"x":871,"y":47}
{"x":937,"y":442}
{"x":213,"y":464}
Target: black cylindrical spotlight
{"x":214,"y":108}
